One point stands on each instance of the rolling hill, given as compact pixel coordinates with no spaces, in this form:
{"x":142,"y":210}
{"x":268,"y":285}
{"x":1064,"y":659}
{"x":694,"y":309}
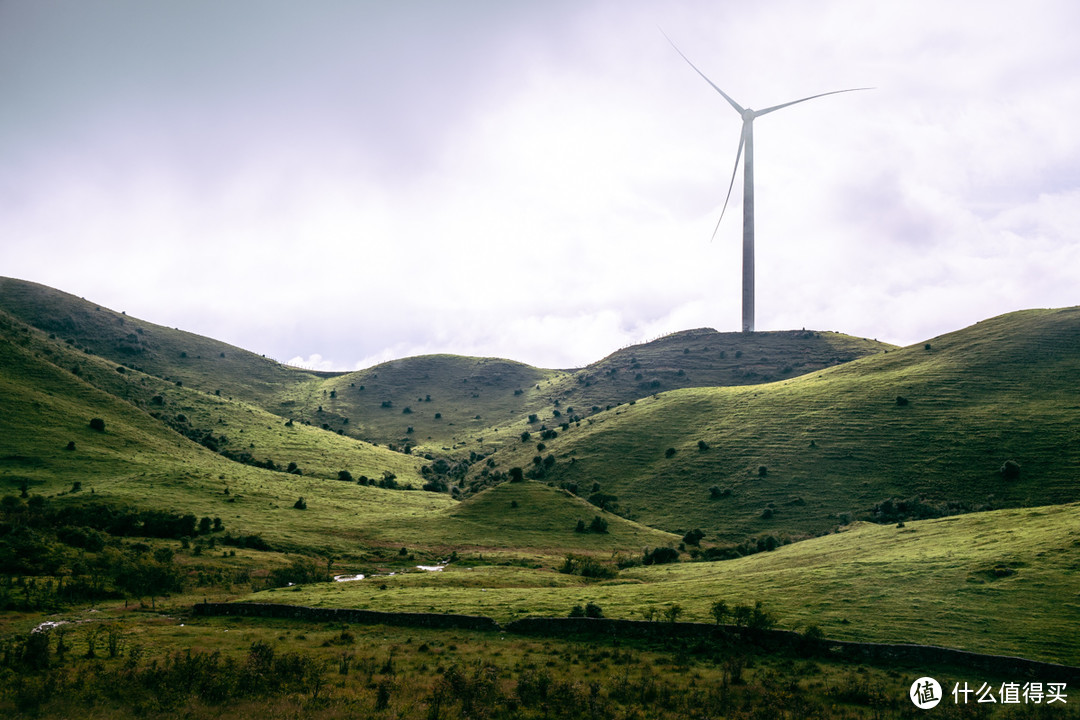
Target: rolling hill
{"x":669,"y":431}
{"x":454,"y":405}
{"x":934,"y":421}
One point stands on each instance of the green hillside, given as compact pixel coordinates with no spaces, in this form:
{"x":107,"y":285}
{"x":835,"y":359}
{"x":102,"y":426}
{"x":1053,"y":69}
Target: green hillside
{"x":172,"y":354}
{"x":527,"y":515}
{"x":165,"y":447}
{"x":140,"y":461}
{"x":462,"y":404}
{"x":704,"y":358}
{"x":934,"y":421}
{"x":954,"y":582}
{"x":437,"y":404}
{"x":454,"y":404}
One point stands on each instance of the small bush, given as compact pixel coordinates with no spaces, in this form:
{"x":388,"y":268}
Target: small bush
{"x":660,"y":556}
{"x":901,"y":400}
{"x":97,"y":424}
{"x":702,"y":445}
{"x":300,"y":504}
{"x":1010,"y":470}
{"x":693,"y":537}
{"x":670,"y":452}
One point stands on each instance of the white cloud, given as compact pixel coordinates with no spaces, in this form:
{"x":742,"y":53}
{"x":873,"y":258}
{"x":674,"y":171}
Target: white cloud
{"x":349,"y":185}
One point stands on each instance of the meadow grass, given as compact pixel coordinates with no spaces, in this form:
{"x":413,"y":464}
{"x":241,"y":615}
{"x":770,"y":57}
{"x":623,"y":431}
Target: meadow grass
{"x":837,"y":442}
{"x":1001,"y":582}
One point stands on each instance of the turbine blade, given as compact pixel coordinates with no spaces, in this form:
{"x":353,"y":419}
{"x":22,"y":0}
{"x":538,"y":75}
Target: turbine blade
{"x":758,"y":113}
{"x":737,"y":106}
{"x":734,"y":172}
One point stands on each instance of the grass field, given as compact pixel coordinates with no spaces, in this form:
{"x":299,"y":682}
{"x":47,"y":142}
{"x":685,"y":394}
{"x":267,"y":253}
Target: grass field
{"x":956,"y":582}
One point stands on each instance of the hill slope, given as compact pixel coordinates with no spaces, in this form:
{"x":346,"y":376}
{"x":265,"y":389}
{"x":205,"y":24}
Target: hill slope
{"x":453,"y":405}
{"x":839,"y":441}
{"x":172,"y":354}
{"x":954,"y":582}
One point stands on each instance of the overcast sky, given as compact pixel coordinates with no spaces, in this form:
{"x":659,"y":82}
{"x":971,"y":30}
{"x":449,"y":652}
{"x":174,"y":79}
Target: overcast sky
{"x":338,"y":183}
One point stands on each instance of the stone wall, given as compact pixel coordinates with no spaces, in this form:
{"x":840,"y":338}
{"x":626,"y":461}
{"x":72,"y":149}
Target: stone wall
{"x":345,"y":615}
{"x":926,"y":656}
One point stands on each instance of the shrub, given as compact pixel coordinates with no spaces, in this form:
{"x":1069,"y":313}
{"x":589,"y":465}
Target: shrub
{"x":517,"y":474}
{"x":670,"y":452}
{"x":1010,"y":470}
{"x":604,"y":501}
{"x":525,"y":436}
{"x":344,"y":476}
{"x":672,"y":612}
{"x":901,"y":400}
{"x":598,"y":525}
{"x":720,"y":611}
{"x":702,"y":445}
{"x":97,"y":424}
{"x":293,"y":469}
{"x":762,"y":471}
{"x":593,"y":610}
{"x":693,"y":537}
{"x":300,"y":504}
{"x":298,"y":572}
{"x":660,"y":556}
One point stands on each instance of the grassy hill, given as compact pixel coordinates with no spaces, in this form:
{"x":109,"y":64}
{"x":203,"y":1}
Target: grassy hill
{"x":528,"y":515}
{"x":172,"y":354}
{"x":934,"y":421}
{"x":461,"y":404}
{"x":954,"y":582}
{"x":454,"y":405}
{"x":161,"y":449}
{"x":140,"y":461}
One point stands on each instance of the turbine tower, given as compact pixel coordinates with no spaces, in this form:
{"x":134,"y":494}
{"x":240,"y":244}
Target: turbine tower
{"x":746,"y":143}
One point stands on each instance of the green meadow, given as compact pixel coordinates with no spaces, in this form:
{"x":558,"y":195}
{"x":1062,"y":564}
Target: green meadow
{"x":926,"y":494}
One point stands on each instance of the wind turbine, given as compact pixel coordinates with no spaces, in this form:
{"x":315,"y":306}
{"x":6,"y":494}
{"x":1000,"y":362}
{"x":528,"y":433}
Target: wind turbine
{"x":746,"y":142}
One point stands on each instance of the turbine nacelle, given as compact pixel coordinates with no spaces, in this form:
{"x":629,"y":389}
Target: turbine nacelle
{"x":748,"y":115}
